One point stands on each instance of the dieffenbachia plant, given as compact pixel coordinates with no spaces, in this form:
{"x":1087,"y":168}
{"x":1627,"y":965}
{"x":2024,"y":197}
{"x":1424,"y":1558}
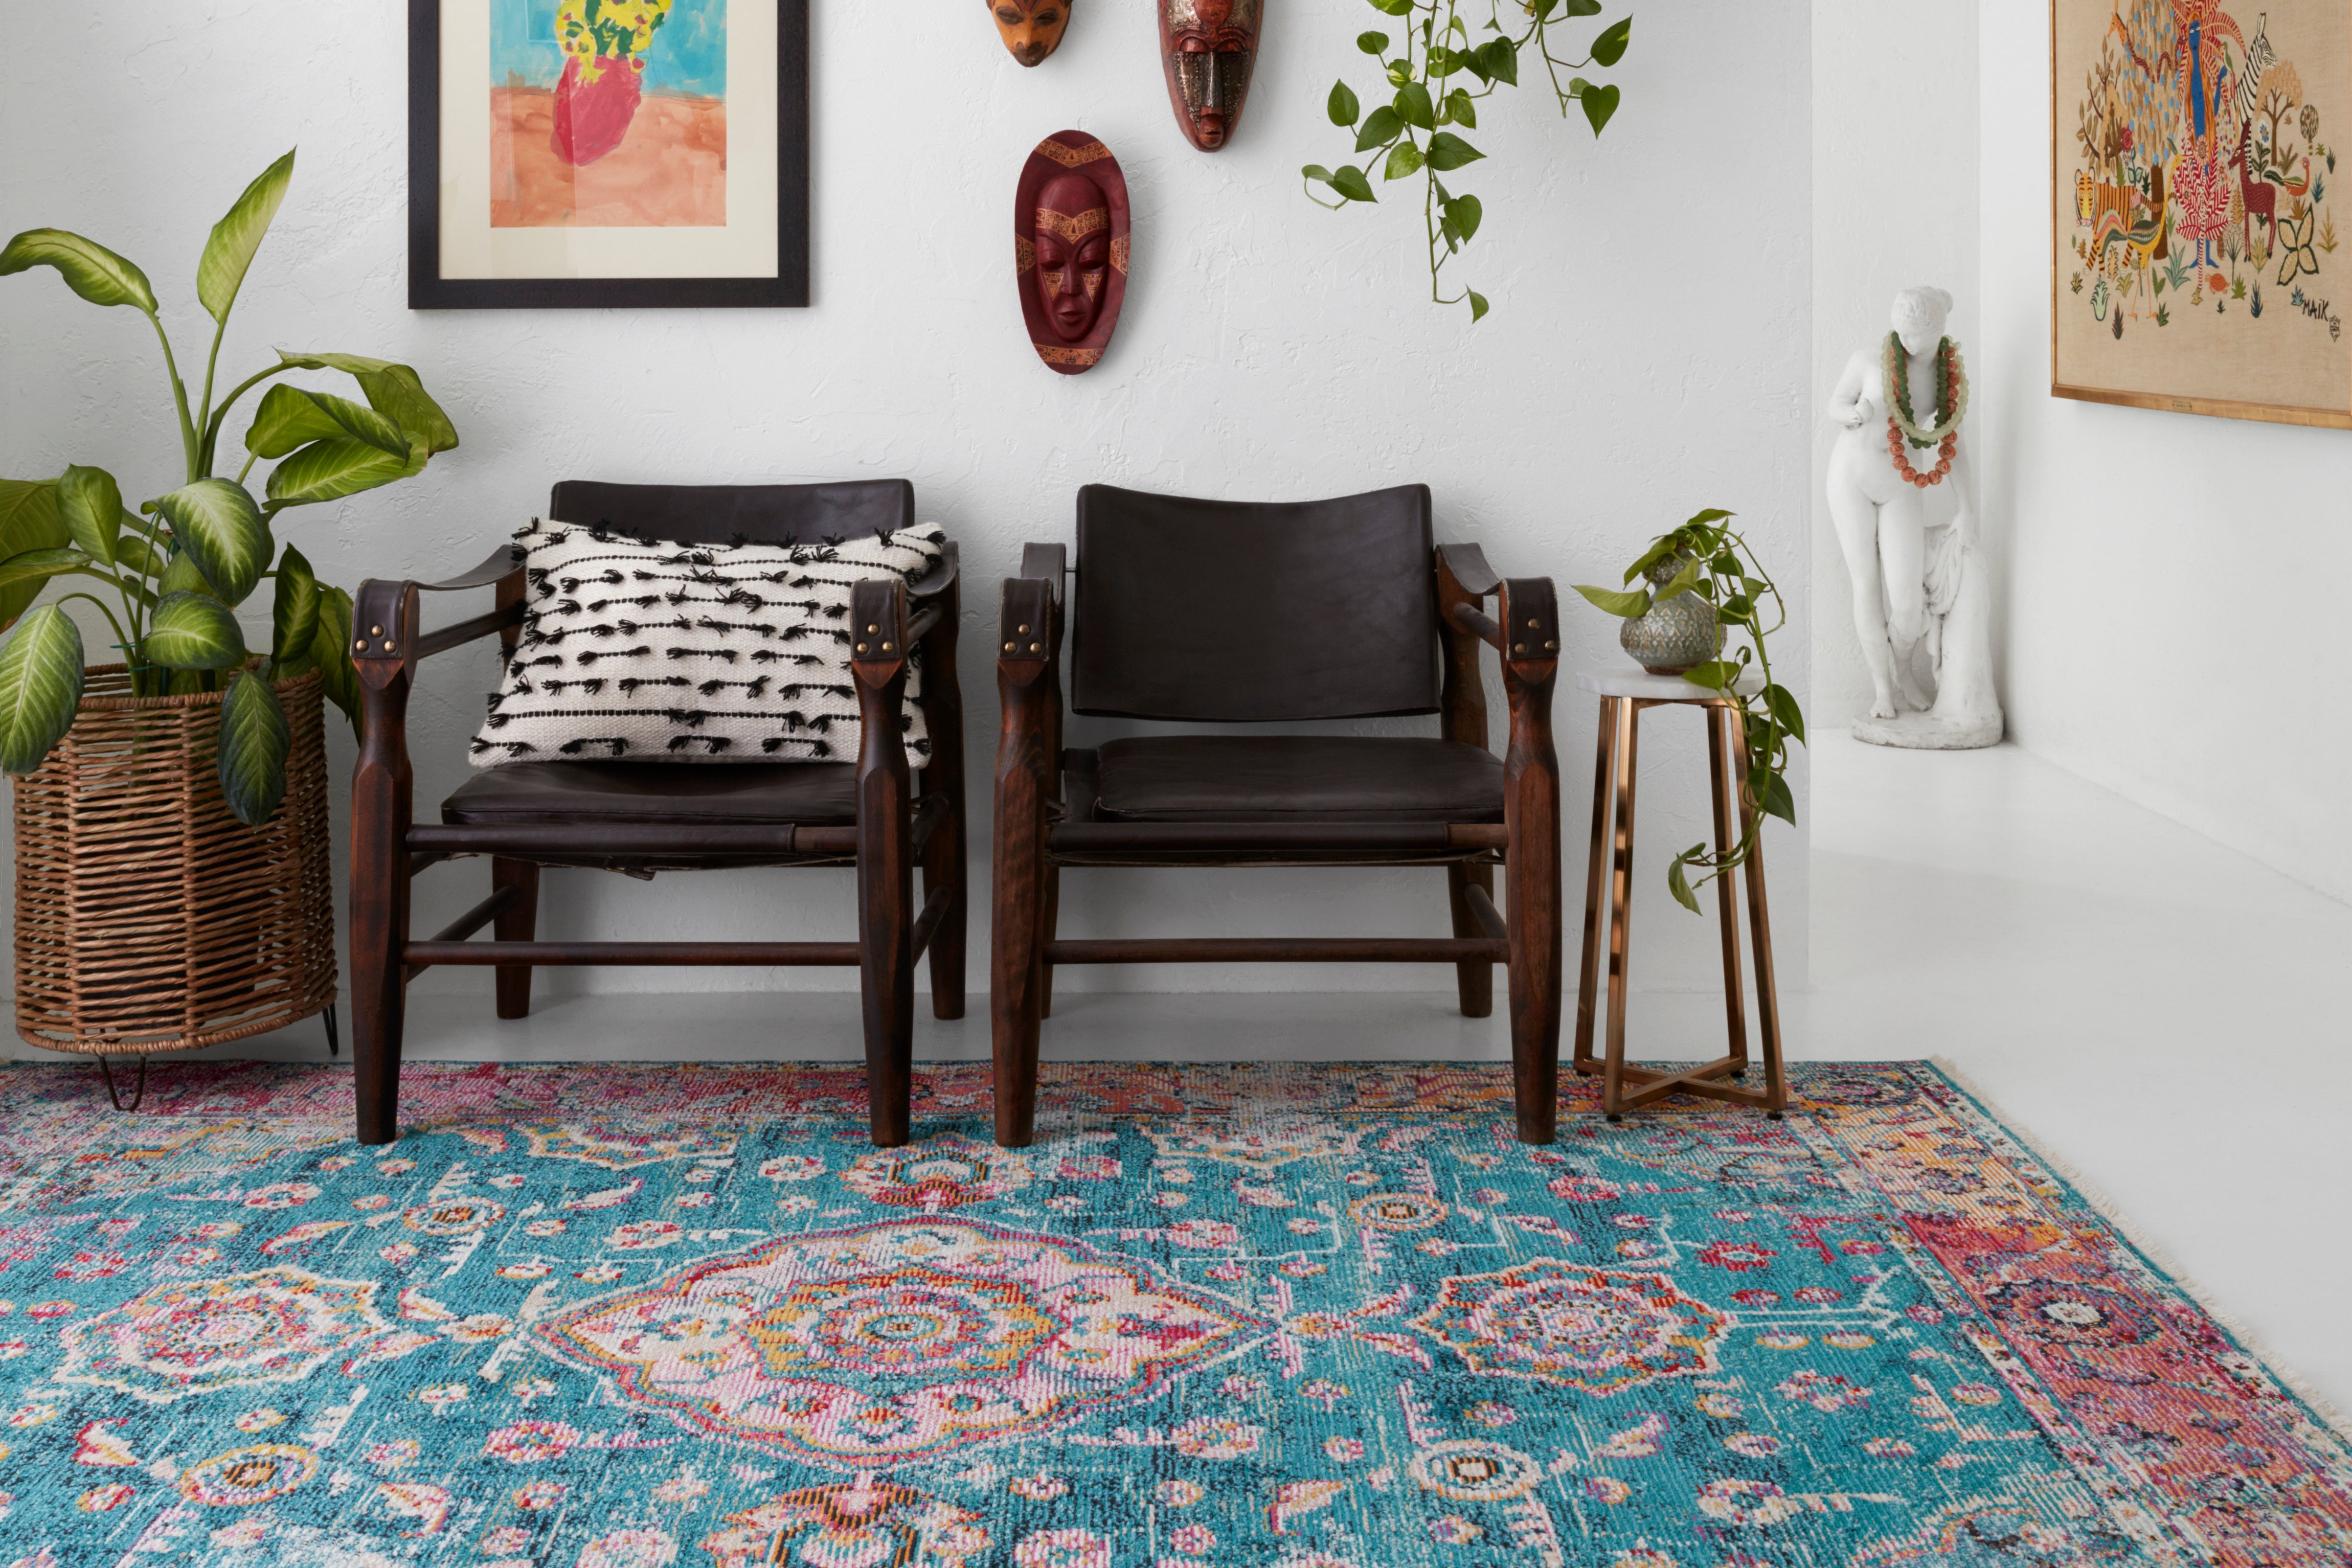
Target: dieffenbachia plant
{"x":1722,"y":570}
{"x":182,"y":563}
{"x":1435,"y":79}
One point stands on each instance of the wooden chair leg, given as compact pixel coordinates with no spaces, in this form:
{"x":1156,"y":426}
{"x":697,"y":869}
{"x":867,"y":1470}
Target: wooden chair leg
{"x":1621,"y":902}
{"x":886,"y":872}
{"x":379,"y":930}
{"x":517,"y":921}
{"x":1596,"y":876}
{"x":1016,"y":930}
{"x":1531,"y":884}
{"x":1724,"y":789}
{"x":1050,"y":918}
{"x":943,"y":866}
{"x":1476,"y":982}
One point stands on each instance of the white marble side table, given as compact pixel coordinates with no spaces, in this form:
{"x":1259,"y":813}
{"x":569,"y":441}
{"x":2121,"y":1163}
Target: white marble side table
{"x":1624,"y":694}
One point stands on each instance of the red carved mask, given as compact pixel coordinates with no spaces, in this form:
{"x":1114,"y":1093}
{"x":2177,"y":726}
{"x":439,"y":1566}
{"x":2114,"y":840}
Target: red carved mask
{"x":1208,"y":47}
{"x":1070,"y":240}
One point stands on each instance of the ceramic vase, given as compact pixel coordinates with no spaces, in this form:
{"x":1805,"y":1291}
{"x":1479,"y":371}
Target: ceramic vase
{"x":1670,"y":637}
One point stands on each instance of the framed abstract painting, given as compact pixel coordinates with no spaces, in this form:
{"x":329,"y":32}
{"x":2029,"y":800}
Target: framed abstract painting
{"x":2198,"y":265}
{"x":607,"y":153}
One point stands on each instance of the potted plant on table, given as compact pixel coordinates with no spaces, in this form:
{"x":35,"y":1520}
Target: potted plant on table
{"x":172,"y":875}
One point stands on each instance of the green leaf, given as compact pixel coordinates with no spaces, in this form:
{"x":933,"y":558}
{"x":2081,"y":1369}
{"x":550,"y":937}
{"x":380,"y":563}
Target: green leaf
{"x":1465,"y":214}
{"x":91,"y":502}
{"x":1599,"y":103}
{"x":216,"y":521}
{"x":1404,"y":159}
{"x":134,"y":553}
{"x":1350,"y":181}
{"x":193,"y":631}
{"x":1499,"y":60}
{"x":1372,"y":44}
{"x":1610,"y":47}
{"x":1682,"y":582}
{"x":181,"y":576}
{"x":331,"y":645}
{"x":1625,"y":604}
{"x":331,"y":469}
{"x":1785,"y":712}
{"x":1447,"y":150}
{"x":1477,"y":306}
{"x":290,"y":416}
{"x":1461,"y":109}
{"x":1380,"y":128}
{"x":294,"y":614}
{"x":393,"y":390}
{"x":40,"y":685}
{"x":238,"y":236}
{"x":29,"y":520}
{"x":1714,"y":676}
{"x":1712,"y":515}
{"x":254,"y":741}
{"x":1678,"y":882}
{"x":1343,"y":106}
{"x":1582,"y":8}
{"x":1777,"y":799}
{"x":37,"y":566}
{"x":89,"y":269}
{"x":1317,"y":171}
{"x":1392,"y":8}
{"x":1413,"y":106}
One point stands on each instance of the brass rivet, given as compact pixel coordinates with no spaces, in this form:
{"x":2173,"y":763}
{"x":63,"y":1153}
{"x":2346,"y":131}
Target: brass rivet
{"x":1036,"y":647}
{"x":360,"y":646}
{"x":885,"y":647}
{"x":387,"y":644}
{"x":1024,"y":631}
{"x":861,"y":647}
{"x":1519,"y":647}
{"x":873,"y":628}
{"x":1532,"y":623}
{"x":1552,"y":644}
{"x":1009,"y":647}
{"x":376,"y":631}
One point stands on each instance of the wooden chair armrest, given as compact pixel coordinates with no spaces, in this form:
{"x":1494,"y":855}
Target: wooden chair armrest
{"x":938,"y":580}
{"x":1467,"y":564}
{"x":1025,"y":629}
{"x":384,"y":612}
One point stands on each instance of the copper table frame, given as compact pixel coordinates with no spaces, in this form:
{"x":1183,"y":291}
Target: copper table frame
{"x":1617,"y":756}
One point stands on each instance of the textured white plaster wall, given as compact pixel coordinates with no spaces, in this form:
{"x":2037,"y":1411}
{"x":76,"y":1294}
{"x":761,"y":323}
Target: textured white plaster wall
{"x":1894,"y":203}
{"x":1649,"y":354}
{"x":2172,"y":609}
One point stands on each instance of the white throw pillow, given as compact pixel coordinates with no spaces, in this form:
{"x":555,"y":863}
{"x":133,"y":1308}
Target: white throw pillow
{"x":652,"y":650}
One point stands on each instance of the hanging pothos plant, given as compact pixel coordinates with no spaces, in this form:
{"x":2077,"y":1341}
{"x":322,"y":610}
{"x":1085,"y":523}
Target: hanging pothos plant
{"x":182,"y":563}
{"x":1721,"y":568}
{"x":1435,"y":77}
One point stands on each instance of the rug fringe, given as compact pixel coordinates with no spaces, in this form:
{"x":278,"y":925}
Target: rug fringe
{"x":2330,"y":1414}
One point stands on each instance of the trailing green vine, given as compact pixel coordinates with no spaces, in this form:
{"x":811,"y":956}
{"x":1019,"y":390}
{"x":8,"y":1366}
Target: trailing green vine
{"x":1428,"y":91}
{"x":1722,"y":570}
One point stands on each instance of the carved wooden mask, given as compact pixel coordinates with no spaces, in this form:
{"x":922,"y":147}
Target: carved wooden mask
{"x":1208,"y":47}
{"x":1070,"y":244}
{"x":1031,"y":29}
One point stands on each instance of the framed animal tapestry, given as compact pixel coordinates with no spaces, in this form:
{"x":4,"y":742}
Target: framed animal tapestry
{"x":2198,"y":263}
{"x":607,"y":153}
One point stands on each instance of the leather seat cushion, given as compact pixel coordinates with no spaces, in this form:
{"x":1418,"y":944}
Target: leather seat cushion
{"x":1243,"y":779}
{"x":808,"y":794}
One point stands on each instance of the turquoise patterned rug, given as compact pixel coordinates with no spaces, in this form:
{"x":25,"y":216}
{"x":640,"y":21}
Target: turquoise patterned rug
{"x":1276,"y":1317}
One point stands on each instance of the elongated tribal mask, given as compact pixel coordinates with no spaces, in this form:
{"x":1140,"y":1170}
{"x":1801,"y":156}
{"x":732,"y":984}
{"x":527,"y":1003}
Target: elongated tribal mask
{"x":1208,"y":47}
{"x":1070,"y":248}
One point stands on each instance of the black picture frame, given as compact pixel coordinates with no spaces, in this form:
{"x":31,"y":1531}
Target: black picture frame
{"x":428,"y":290}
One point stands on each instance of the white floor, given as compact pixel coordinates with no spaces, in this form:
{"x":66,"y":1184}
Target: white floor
{"x":2162,"y":1012}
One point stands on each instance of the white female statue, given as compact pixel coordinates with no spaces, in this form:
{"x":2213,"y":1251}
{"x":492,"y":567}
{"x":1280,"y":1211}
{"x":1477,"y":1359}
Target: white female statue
{"x":1904,"y":499}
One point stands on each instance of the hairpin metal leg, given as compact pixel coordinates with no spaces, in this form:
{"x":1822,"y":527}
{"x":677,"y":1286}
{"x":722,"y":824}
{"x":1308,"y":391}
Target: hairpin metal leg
{"x":1596,"y":877}
{"x":138,"y":1095}
{"x":1760,"y":931}
{"x":1621,"y":902}
{"x":334,"y":1038}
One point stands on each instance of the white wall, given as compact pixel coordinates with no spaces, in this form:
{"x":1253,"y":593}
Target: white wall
{"x":1894,"y":204}
{"x":1649,"y":354}
{"x":2175,"y":619}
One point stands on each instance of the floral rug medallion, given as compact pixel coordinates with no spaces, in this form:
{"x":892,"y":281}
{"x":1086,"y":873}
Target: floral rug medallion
{"x":1278,"y":1317}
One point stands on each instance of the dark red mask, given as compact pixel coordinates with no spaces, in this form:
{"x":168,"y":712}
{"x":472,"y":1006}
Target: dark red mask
{"x":1208,"y":47}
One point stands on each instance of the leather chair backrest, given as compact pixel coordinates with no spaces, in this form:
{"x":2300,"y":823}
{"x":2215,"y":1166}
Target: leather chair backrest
{"x":760,"y":514}
{"x":1233,"y":612}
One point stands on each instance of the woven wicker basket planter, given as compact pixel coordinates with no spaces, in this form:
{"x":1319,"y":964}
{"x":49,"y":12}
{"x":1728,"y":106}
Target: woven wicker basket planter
{"x":148,"y":918}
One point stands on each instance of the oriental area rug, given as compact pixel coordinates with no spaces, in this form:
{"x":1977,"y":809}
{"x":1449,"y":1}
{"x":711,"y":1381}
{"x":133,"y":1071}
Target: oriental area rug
{"x":1221,"y":1317}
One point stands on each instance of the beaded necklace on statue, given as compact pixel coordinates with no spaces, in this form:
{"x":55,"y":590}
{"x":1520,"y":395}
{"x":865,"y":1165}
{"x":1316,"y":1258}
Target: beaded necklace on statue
{"x":1951,"y":407}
